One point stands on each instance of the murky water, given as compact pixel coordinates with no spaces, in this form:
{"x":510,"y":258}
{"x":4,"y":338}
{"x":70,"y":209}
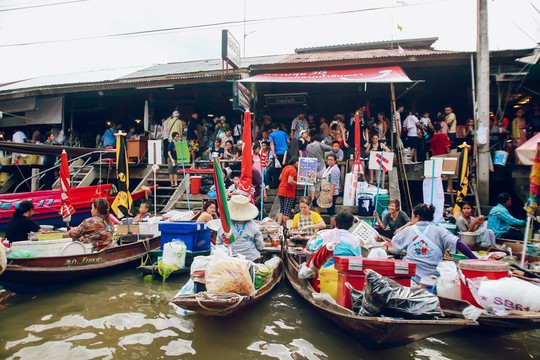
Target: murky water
{"x":123,"y":317}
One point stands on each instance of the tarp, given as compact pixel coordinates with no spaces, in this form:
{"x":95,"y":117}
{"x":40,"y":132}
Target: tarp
{"x":387,"y":74}
{"x":527,"y":151}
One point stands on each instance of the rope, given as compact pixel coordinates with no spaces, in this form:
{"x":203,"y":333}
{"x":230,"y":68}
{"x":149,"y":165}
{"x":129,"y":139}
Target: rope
{"x":146,"y":243}
{"x":205,"y":296}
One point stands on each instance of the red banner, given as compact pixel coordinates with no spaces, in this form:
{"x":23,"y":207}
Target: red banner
{"x":388,"y":74}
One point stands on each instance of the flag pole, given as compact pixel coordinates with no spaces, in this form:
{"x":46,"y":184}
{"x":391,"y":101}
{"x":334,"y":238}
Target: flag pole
{"x":184,"y":173}
{"x":378,"y":187}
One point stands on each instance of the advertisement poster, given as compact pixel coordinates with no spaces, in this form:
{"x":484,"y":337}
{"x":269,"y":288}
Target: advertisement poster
{"x":307,"y":171}
{"x":375,"y":158}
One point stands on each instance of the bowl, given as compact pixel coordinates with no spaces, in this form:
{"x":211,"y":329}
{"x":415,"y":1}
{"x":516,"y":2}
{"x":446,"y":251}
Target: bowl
{"x":47,"y":227}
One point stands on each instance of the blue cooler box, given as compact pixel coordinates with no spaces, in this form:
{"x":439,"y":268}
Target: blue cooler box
{"x":365,"y":204}
{"x":195,"y":235}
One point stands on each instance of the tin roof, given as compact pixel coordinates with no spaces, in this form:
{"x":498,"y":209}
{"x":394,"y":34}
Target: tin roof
{"x":420,"y":43}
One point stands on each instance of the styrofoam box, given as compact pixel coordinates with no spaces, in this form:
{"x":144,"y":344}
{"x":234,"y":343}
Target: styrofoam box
{"x":149,"y":229}
{"x":42,"y":248}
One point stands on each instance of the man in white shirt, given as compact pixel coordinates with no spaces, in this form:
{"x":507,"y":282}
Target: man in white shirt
{"x":18,"y":137}
{"x":411,"y":124}
{"x":396,"y":125}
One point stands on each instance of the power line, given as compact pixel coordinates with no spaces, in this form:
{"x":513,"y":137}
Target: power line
{"x":25,"y":7}
{"x":212,"y":25}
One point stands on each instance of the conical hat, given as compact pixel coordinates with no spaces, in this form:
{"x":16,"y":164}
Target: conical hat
{"x":241,"y":209}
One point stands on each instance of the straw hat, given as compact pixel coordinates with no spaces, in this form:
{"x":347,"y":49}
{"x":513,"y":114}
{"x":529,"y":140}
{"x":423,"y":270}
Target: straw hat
{"x":241,"y":209}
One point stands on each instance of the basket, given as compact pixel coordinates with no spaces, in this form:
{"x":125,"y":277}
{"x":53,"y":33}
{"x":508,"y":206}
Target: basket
{"x":365,"y":232}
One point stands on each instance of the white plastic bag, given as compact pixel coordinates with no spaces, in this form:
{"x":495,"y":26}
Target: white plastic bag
{"x":506,"y":293}
{"x":377,"y":253}
{"x":174,"y":253}
{"x":448,"y":283}
{"x":226,"y":274}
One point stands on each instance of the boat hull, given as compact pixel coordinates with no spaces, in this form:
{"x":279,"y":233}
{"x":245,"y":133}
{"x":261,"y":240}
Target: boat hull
{"x":212,"y":305}
{"x":372,"y":332}
{"x":59,"y":270}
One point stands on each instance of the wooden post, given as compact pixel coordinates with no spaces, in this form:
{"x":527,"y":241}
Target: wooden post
{"x":34,"y":183}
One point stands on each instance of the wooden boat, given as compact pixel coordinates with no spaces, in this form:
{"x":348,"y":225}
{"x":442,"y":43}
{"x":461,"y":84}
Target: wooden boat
{"x":373,"y":332}
{"x":47,"y":204}
{"x":152,"y":268}
{"x":491,"y":324}
{"x":26,"y":274}
{"x":224,"y":304}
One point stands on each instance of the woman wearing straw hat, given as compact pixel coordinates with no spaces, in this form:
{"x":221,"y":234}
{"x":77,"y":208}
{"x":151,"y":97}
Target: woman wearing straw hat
{"x":248,"y":237}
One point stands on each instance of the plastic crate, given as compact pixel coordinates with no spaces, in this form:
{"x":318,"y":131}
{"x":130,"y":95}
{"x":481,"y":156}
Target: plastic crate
{"x":195,"y":235}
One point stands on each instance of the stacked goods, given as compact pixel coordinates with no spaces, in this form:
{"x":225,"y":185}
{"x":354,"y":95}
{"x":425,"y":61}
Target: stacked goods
{"x":263,"y":274}
{"x":271,"y":231}
{"x":225,"y":274}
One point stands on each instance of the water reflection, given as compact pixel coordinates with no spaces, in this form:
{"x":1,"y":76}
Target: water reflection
{"x":122,"y":316}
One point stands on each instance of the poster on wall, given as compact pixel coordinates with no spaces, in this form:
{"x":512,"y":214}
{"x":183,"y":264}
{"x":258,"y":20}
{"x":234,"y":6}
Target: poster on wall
{"x":307,"y":171}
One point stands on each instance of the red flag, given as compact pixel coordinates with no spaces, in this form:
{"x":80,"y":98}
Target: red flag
{"x":66,"y":210}
{"x":357,"y":168}
{"x":246,"y":177}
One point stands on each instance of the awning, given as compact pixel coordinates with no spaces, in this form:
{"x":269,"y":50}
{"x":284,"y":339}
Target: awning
{"x":527,"y":150}
{"x":387,"y":74}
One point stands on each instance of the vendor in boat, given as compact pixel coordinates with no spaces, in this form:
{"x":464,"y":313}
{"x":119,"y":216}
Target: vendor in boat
{"x":247,"y":235}
{"x":21,"y":223}
{"x":394,"y":221}
{"x":144,"y":213}
{"x":209,"y":212}
{"x":501,"y":222}
{"x":346,"y":243}
{"x":306,"y":221}
{"x":426,"y":243}
{"x":96,"y":230}
{"x":468,"y":223}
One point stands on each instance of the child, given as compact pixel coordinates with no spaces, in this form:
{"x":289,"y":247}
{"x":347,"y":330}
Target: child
{"x":336,"y":151}
{"x":144,"y":213}
{"x":257,"y":157}
{"x":234,"y":186}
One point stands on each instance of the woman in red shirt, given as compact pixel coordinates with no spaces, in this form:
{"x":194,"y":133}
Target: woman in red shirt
{"x":287,"y":190}
{"x":440,"y":143}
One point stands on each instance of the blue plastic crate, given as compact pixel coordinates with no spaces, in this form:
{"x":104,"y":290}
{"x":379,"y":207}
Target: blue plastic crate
{"x":195,"y":235}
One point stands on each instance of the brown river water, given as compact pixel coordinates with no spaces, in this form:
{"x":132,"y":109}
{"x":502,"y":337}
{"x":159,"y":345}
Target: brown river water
{"x":121,"y":316}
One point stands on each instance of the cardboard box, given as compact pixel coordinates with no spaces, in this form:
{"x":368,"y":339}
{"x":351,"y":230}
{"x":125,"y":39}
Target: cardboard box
{"x":123,"y":229}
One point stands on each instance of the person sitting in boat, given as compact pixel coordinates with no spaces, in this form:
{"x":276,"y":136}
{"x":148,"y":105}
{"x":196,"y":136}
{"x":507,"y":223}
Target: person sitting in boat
{"x":96,"y":230}
{"x":21,"y":223}
{"x":209,"y":212}
{"x":426,"y":243}
{"x":394,"y":221}
{"x":467,"y":223}
{"x":501,"y":222}
{"x":306,"y":221}
{"x":144,"y":213}
{"x":346,"y":243}
{"x":247,"y":235}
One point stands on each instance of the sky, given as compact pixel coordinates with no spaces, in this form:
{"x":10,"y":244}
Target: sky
{"x":47,"y":37}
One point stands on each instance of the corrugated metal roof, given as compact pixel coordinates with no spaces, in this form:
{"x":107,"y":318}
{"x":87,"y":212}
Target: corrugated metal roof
{"x":72,"y":78}
{"x":419,"y":43}
{"x":198,"y":66}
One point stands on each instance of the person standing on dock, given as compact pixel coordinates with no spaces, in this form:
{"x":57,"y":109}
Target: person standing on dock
{"x":451,"y":121}
{"x":48,"y":163}
{"x":172,"y":160}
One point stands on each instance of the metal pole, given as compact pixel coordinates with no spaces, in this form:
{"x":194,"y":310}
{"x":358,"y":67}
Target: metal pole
{"x":482,"y":96}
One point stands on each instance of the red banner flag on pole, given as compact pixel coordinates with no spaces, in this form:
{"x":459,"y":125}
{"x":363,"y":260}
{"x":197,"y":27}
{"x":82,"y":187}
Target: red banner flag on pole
{"x":246,"y":177}
{"x":66,"y":210}
{"x":357,"y":168}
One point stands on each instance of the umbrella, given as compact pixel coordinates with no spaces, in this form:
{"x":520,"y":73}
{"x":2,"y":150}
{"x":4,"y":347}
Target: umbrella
{"x":463,"y":174}
{"x":221,"y":197}
{"x":122,"y":203}
{"x":531,"y":204}
{"x":246,"y":177}
{"x":66,"y":210}
{"x":357,"y":168}
{"x":527,"y":151}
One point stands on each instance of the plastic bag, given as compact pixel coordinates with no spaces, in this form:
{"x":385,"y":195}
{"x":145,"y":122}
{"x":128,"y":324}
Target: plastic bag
{"x":228,"y":274}
{"x":273,"y":262}
{"x":356,"y":298}
{"x":384,"y":296}
{"x":174,"y":253}
{"x":377,"y":253}
{"x":198,"y":268}
{"x":21,"y":254}
{"x":448,"y":283}
{"x":329,"y":281}
{"x":505,"y":293}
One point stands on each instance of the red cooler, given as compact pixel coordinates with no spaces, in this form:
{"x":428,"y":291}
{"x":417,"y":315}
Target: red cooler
{"x":473,"y":268}
{"x":195,"y":185}
{"x":351,"y":270}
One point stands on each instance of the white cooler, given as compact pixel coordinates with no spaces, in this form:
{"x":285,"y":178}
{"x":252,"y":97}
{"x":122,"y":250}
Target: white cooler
{"x":42,"y":248}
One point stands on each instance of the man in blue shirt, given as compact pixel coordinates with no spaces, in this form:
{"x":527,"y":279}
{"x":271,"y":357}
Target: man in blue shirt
{"x":279,"y":144}
{"x":108,"y":138}
{"x":500,"y":220}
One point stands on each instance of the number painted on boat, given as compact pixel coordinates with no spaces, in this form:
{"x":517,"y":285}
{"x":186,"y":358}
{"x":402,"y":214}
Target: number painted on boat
{"x":84,"y":261}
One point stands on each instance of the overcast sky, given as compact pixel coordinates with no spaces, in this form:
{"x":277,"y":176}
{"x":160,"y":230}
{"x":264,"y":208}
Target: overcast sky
{"x":80,"y":35}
